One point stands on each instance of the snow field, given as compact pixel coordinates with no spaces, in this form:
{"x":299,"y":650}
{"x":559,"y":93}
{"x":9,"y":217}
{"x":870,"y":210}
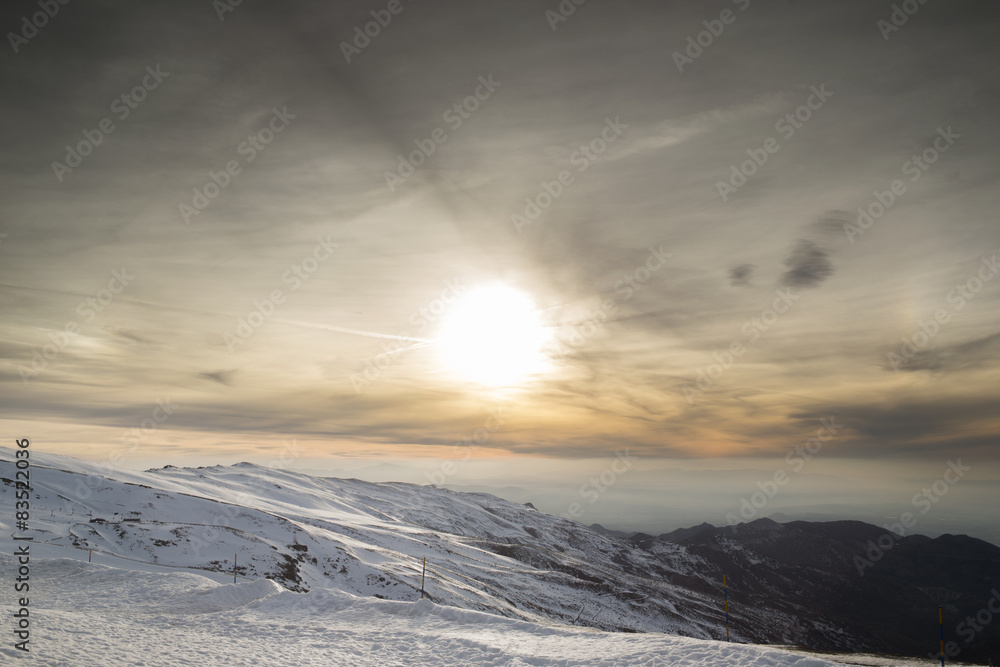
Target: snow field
{"x":93,"y":614}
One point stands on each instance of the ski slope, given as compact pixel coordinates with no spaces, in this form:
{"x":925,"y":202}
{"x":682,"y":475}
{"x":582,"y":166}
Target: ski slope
{"x":484,"y":553}
{"x":94,"y":614}
{"x":329,"y":574}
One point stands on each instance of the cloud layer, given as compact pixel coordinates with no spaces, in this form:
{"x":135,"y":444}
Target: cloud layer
{"x":303,"y":295}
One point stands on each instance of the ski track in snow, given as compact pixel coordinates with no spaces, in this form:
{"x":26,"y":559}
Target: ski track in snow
{"x":93,"y":614}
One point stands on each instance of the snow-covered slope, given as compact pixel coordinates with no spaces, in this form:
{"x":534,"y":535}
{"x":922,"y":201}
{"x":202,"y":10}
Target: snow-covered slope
{"x":159,"y":591}
{"x":91,"y":614}
{"x":306,"y":533}
{"x":335,"y":536}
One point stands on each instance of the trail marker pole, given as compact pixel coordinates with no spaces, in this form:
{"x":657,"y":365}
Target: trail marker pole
{"x":234,"y":567}
{"x":90,"y":555}
{"x":941,"y":623}
{"x":725,"y":597}
{"x":422,"y":575}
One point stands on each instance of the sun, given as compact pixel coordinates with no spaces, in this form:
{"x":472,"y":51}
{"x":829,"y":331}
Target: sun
{"x":492,"y":335}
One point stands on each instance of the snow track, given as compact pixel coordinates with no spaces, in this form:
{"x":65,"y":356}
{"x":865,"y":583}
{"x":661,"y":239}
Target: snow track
{"x":89,"y":614}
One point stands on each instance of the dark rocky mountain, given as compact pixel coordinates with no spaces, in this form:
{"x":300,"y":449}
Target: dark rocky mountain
{"x":682,"y":534}
{"x":598,"y":528}
{"x":881,"y":590}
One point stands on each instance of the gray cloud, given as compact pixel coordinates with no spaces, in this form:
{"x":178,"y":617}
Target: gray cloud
{"x":325,"y":175}
{"x":739,"y":276}
{"x":832,"y":222}
{"x":808,"y":265}
{"x":222,"y":377}
{"x":974,"y":354}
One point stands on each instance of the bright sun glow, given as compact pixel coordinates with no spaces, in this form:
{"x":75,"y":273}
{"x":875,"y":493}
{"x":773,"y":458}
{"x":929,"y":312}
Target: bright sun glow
{"x":492,"y":335}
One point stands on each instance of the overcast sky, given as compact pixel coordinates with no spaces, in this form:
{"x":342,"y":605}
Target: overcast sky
{"x":702,"y":310}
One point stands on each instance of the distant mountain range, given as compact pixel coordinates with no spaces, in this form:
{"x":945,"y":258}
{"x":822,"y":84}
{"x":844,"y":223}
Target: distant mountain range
{"x":827,"y":586}
{"x":876,"y":587}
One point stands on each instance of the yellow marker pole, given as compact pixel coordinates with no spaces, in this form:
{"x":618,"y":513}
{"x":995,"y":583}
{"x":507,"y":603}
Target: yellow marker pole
{"x":941,"y":623}
{"x":422,"y":575}
{"x":725,"y":594}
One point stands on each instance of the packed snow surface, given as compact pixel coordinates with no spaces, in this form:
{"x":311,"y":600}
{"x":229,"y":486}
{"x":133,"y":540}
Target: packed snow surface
{"x":92,"y":614}
{"x":329,"y":574}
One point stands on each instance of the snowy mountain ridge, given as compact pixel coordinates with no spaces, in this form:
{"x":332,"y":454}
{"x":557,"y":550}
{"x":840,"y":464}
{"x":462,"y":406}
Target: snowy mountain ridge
{"x":790,"y":584}
{"x":483,"y":553}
